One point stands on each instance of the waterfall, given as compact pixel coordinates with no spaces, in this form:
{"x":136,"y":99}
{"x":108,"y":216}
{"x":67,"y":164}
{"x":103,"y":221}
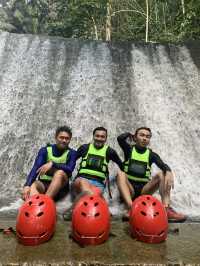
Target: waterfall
{"x":47,"y":81}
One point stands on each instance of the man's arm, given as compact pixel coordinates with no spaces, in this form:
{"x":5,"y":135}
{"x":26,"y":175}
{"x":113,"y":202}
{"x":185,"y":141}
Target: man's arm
{"x":126,"y":147}
{"x":82,"y":151}
{"x":113,"y":156}
{"x":155,"y":158}
{"x":39,"y":161}
{"x":169,"y":177}
{"x":70,"y":164}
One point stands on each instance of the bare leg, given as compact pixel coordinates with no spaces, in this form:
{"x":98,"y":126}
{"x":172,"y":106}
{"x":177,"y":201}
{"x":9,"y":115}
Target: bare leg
{"x":58,"y":181}
{"x":158,"y":182}
{"x":82,"y":185}
{"x":164,"y":192}
{"x":125,"y":188}
{"x":37,"y":188}
{"x":153,"y":185}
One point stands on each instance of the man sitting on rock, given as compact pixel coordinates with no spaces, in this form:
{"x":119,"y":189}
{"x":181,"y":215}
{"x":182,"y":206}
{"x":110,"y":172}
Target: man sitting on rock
{"x":93,"y":171}
{"x":137,"y":179}
{"x":53,"y":167}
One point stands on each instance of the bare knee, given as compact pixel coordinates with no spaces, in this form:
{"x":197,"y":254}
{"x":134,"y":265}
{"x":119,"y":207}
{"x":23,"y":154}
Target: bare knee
{"x":81,"y":184}
{"x":159,"y":177}
{"x":121,"y":178}
{"x":79,"y":181}
{"x":37,"y":187}
{"x":60,"y":174}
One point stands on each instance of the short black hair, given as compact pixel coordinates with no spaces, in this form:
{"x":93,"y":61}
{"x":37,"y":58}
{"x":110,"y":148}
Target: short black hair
{"x":63,"y":129}
{"x":100,"y":128}
{"x":146,"y":128}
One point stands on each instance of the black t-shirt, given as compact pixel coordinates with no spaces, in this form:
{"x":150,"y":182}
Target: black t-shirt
{"x":127,"y":149}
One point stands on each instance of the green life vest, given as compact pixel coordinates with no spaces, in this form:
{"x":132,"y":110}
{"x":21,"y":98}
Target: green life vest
{"x":137,"y":167}
{"x":50,"y":157}
{"x":94,"y":164}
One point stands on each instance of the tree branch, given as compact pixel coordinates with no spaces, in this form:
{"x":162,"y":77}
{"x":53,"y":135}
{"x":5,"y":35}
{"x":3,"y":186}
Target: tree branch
{"x":128,"y":10}
{"x":95,"y":29}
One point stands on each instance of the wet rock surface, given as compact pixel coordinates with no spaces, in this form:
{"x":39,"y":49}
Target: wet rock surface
{"x":181,"y":248}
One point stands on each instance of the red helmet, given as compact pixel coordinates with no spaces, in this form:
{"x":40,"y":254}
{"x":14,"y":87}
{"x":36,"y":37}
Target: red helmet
{"x":90,"y":220}
{"x":36,"y":220}
{"x":148,"y":220}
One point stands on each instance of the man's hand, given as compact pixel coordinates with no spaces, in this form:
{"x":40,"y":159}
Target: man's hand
{"x":169,"y":181}
{"x":132,"y":137}
{"x":26,"y":192}
{"x":44,"y":168}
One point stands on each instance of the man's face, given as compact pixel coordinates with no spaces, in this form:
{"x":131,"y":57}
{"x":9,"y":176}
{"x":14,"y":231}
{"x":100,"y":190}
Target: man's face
{"x":63,"y":140}
{"x":99,"y":138}
{"x":143,"y":138}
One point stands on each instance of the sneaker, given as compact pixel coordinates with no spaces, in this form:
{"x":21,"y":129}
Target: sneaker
{"x":175,"y":217}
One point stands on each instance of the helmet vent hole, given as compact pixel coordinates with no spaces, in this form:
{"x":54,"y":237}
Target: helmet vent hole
{"x":96,"y":204}
{"x":83,"y":213}
{"x":154,"y":203}
{"x":91,"y":198}
{"x":20,"y":233}
{"x":157,"y":213}
{"x":42,"y":234}
{"x":30,"y":203}
{"x":85,"y":203}
{"x":143,"y":213}
{"x":101,"y":234}
{"x":26,"y":214}
{"x":37,"y":197}
{"x":144,"y":203}
{"x":148,"y":198}
{"x":97,"y":214}
{"x":40,"y":214}
{"x":41,"y":203}
{"x":161,"y":233}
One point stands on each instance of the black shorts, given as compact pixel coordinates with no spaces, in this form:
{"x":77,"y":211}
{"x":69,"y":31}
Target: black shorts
{"x":62,"y":192}
{"x":137,"y":186}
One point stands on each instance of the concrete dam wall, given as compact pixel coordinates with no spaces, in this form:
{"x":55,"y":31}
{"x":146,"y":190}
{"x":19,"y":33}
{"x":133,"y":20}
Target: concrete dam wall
{"x":47,"y":81}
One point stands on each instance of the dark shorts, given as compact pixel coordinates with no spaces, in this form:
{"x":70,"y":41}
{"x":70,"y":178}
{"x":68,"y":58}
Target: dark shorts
{"x":62,"y":192}
{"x":137,"y":186}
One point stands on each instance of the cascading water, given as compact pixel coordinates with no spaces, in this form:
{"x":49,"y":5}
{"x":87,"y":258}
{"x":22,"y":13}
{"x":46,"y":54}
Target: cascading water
{"x":46,"y":82}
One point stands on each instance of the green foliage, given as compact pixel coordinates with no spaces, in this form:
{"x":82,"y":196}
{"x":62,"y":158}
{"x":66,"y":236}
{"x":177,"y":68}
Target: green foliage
{"x":168,"y":21}
{"x":188,"y":26}
{"x":128,"y":20}
{"x":80,"y":18}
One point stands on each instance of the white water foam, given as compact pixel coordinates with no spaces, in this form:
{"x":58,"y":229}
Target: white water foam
{"x":46,"y":82}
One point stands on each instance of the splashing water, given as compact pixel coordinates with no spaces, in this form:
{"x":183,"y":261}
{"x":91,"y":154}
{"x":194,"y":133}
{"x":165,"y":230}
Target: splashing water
{"x":46,"y":82}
